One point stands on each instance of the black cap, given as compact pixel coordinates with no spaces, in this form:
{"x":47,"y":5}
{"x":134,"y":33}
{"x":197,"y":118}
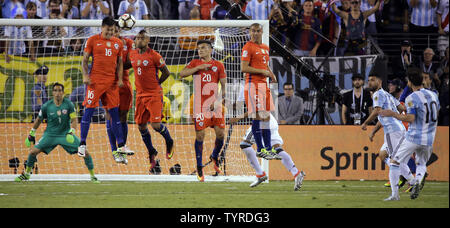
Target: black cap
{"x":406,"y":43}
{"x":357,"y":75}
{"x":42,"y":70}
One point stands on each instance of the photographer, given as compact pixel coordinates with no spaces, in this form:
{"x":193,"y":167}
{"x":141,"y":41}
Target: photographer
{"x":357,"y":103}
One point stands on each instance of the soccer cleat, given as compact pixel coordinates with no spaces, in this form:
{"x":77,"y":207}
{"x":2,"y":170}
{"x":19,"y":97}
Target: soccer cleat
{"x":299,"y":180}
{"x":392,"y":198}
{"x":264,"y":154}
{"x":259,"y":180}
{"x":118,"y":157}
{"x":216,"y":164}
{"x":125,"y":150}
{"x":153,"y":160}
{"x":95,"y":180}
{"x":409,"y":188}
{"x":169,"y":148}
{"x":82,"y":151}
{"x":200,"y":175}
{"x":273,"y":153}
{"x":423,"y":181}
{"x":415,"y":191}
{"x":387,"y":184}
{"x":22,"y":177}
{"x":401,"y":182}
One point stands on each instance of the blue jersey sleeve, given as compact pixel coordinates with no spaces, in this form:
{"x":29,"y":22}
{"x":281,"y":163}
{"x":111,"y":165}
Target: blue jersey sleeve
{"x":406,"y":92}
{"x":378,"y":100}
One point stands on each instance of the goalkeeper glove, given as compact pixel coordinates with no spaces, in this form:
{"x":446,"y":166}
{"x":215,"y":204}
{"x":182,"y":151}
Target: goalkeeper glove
{"x":31,"y":138}
{"x":69,"y":137}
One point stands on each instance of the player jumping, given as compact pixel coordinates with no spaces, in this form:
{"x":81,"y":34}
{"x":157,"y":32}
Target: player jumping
{"x":207,"y":106}
{"x":255,"y":65}
{"x":61,"y":120}
{"x":103,"y":82}
{"x":422,"y":114}
{"x":280,"y":154}
{"x":149,"y":95}
{"x":125,"y":97}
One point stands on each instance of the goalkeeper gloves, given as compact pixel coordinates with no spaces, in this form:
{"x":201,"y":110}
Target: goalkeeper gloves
{"x":31,"y":138}
{"x":69,"y":137}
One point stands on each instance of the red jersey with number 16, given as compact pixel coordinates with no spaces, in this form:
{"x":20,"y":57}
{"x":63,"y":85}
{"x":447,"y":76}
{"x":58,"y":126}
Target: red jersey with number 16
{"x":104,"y":58}
{"x":146,"y":67}
{"x":258,"y":57}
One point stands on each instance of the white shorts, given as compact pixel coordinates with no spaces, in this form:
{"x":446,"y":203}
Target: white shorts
{"x":392,"y":142}
{"x":275,"y":137}
{"x":407,"y":148}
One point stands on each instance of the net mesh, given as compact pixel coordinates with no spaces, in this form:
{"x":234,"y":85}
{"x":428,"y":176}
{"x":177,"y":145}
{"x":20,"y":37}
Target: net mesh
{"x":27,"y":48}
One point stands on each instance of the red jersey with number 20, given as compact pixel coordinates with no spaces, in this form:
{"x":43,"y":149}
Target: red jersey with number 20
{"x":206,"y":83}
{"x":146,"y":67}
{"x":258,"y":57}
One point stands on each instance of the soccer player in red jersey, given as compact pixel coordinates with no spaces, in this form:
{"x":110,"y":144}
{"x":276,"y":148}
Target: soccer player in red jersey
{"x":255,"y":65}
{"x":207,"y":105}
{"x":125,"y":96}
{"x":149,"y":94}
{"x":103,"y":82}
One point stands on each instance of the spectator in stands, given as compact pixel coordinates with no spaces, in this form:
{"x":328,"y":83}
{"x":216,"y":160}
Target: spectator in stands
{"x":37,"y":31}
{"x":281,"y":17}
{"x":53,"y":45}
{"x":427,"y":66}
{"x":205,"y":8}
{"x":341,"y":40}
{"x":69,"y":11}
{"x":395,"y":88}
{"x":443,"y":65}
{"x":39,"y":92}
{"x":355,"y":26}
{"x":290,"y":106}
{"x":307,"y":26}
{"x":42,"y":10}
{"x":184,"y":9}
{"x":95,"y":10}
{"x":77,"y":97}
{"x":8,"y":6}
{"x":190,"y":35}
{"x":15,"y":45}
{"x":357,"y":103}
{"x":442,"y":22}
{"x":404,"y":60}
{"x":259,"y":9}
{"x":164,"y":9}
{"x":371,"y":24}
{"x":53,"y":5}
{"x":137,"y":8}
{"x":444,"y":113}
{"x":423,"y":16}
{"x":75,"y":47}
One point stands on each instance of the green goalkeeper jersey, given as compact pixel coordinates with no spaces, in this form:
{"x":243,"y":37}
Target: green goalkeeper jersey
{"x":58,"y":117}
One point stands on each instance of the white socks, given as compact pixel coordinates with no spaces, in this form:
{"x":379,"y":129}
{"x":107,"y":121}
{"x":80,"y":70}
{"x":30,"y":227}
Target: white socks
{"x":288,"y":163}
{"x":251,"y":157}
{"x":394,"y":175}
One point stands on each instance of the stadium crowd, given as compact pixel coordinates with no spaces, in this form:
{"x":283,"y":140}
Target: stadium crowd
{"x":308,"y":27}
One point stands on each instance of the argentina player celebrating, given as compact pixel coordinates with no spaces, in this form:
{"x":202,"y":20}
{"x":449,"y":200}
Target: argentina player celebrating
{"x":422,"y":114}
{"x":394,"y":130}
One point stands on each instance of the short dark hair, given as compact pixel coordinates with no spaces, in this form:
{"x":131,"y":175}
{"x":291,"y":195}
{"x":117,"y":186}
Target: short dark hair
{"x":414,"y":75}
{"x":108,"y":21}
{"x":288,"y":84}
{"x":58,"y":84}
{"x":204,"y":42}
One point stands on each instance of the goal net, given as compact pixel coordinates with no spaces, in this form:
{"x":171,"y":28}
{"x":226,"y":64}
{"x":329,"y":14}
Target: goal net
{"x":26,"y":45}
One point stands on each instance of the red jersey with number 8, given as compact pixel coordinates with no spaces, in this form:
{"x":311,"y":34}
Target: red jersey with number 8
{"x":146,"y":66}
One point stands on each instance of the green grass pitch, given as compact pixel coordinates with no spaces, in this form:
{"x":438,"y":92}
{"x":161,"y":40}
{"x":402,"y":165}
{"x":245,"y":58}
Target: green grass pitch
{"x":276,"y":194}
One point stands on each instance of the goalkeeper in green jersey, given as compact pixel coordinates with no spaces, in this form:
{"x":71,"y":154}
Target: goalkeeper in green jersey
{"x":60,"y":114}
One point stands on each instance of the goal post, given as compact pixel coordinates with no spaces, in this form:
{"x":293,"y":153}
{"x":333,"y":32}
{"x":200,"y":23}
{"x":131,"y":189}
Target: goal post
{"x":58,"y":44}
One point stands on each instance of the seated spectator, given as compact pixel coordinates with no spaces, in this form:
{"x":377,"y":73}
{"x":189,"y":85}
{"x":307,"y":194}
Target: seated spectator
{"x":401,"y":62}
{"x":184,"y":9}
{"x":395,"y":88}
{"x":290,"y":106}
{"x":357,"y":103}
{"x":422,"y":17}
{"x":205,"y":8}
{"x":96,"y":10}
{"x":258,"y":9}
{"x":355,"y":26}
{"x":444,"y":113}
{"x":42,"y":10}
{"x":39,"y":92}
{"x":8,"y":6}
{"x":15,"y":45}
{"x":53,"y":45}
{"x":427,"y":66}
{"x":77,"y":97}
{"x":306,"y":40}
{"x":443,"y":65}
{"x":75,"y":47}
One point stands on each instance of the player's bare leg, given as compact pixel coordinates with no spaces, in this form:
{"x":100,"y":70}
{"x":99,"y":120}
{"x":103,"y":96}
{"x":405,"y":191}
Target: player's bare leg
{"x":164,"y":132}
{"x":199,"y":137}
{"x":146,"y":137}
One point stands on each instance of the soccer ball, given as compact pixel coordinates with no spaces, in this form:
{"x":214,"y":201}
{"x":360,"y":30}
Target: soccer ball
{"x":126,"y":21}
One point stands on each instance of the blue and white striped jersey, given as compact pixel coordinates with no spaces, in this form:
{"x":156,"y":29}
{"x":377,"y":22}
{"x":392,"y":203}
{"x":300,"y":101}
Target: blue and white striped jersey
{"x":423,"y":14}
{"x":386,"y":101}
{"x":424,"y":105}
{"x":259,"y":10}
